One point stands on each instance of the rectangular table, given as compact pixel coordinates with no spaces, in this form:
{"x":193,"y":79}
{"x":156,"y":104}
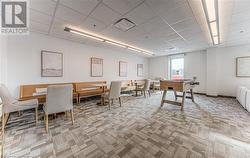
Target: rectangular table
{"x":178,"y":86}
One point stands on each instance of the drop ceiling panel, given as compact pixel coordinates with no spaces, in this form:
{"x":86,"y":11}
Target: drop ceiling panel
{"x":105,"y":14}
{"x":67,"y":14}
{"x":161,"y":6}
{"x":140,"y":15}
{"x":93,"y":25}
{"x":155,"y":25}
{"x":241,"y":6}
{"x":186,"y":24}
{"x":178,"y":14}
{"x":39,"y":27}
{"x":40,"y":17}
{"x":57,"y":29}
{"x":44,"y":6}
{"x":122,"y":6}
{"x":82,"y":6}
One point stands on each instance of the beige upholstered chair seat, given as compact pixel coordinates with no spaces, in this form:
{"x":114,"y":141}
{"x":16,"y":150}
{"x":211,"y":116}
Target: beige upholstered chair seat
{"x":21,"y":105}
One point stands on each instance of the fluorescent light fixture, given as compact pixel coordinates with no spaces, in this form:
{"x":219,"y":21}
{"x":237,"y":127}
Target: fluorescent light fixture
{"x":216,"y":40}
{"x":210,"y":8}
{"x":109,"y":41}
{"x":214,"y":30}
{"x":116,"y":44}
{"x":133,"y":49}
{"x":84,"y":34}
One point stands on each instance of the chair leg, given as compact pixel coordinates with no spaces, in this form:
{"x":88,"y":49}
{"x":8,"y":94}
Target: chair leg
{"x":46,"y":123}
{"x":112,"y":101}
{"x":120,"y":101}
{"x":36,"y":110}
{"x":72,"y":116}
{"x":109,"y":104}
{"x":144,"y":93}
{"x":149,"y":93}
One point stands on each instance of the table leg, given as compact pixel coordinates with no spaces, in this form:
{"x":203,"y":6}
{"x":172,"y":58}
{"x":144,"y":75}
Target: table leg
{"x":102,"y":98}
{"x":163,"y":97}
{"x":175,"y":95}
{"x":192,"y":95}
{"x":136,"y":90}
{"x":183,"y":100}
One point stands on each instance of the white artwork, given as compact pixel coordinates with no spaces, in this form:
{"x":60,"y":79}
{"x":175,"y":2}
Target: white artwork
{"x":140,"y":70}
{"x":96,"y":67}
{"x":123,"y":66}
{"x":52,"y":64}
{"x":243,"y":66}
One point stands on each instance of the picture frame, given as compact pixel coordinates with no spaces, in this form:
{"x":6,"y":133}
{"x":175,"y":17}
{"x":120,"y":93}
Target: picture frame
{"x":96,"y":67}
{"x":123,"y":69}
{"x":51,"y":64}
{"x":140,"y":70}
{"x":243,"y":66}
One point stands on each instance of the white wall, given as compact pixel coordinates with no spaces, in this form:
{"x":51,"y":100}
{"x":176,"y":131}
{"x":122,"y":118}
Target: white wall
{"x":24,"y":61}
{"x":225,"y":71}
{"x":215,"y":69}
{"x":195,"y":65}
{"x":158,"y":67}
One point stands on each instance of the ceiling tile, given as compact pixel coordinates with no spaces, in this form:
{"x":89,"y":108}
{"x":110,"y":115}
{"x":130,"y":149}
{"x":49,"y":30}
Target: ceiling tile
{"x":39,"y":27}
{"x":160,"y":6}
{"x":122,"y":6}
{"x":189,"y":23}
{"x":45,"y":6}
{"x":82,"y":6}
{"x":105,"y":14}
{"x":140,"y":15}
{"x":93,"y":25}
{"x":241,"y":5}
{"x":69,"y":15}
{"x":57,"y":29}
{"x":40,"y":17}
{"x":178,"y":14}
{"x":155,"y":24}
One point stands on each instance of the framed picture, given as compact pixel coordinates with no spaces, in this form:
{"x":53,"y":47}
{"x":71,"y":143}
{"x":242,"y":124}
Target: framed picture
{"x":123,"y":69}
{"x":51,"y":64}
{"x":140,"y":70}
{"x":243,"y":66}
{"x":96,"y":67}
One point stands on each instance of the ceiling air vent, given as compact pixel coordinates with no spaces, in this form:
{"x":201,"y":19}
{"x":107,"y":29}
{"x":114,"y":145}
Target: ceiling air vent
{"x":124,"y":24}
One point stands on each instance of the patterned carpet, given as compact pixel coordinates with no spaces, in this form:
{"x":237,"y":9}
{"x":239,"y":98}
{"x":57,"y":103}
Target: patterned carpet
{"x":211,"y":127}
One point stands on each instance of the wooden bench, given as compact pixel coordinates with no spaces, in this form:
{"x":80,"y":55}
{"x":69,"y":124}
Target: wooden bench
{"x":127,"y":85}
{"x":39,"y":91}
{"x":88,"y":89}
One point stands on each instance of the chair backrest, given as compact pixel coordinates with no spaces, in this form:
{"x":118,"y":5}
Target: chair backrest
{"x":146,"y":85}
{"x":5,"y":95}
{"x":59,"y":98}
{"x":115,"y":89}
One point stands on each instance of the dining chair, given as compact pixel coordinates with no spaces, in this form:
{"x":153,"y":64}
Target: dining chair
{"x":59,"y":98}
{"x":11,"y":105}
{"x":146,"y":88}
{"x":114,"y":93}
